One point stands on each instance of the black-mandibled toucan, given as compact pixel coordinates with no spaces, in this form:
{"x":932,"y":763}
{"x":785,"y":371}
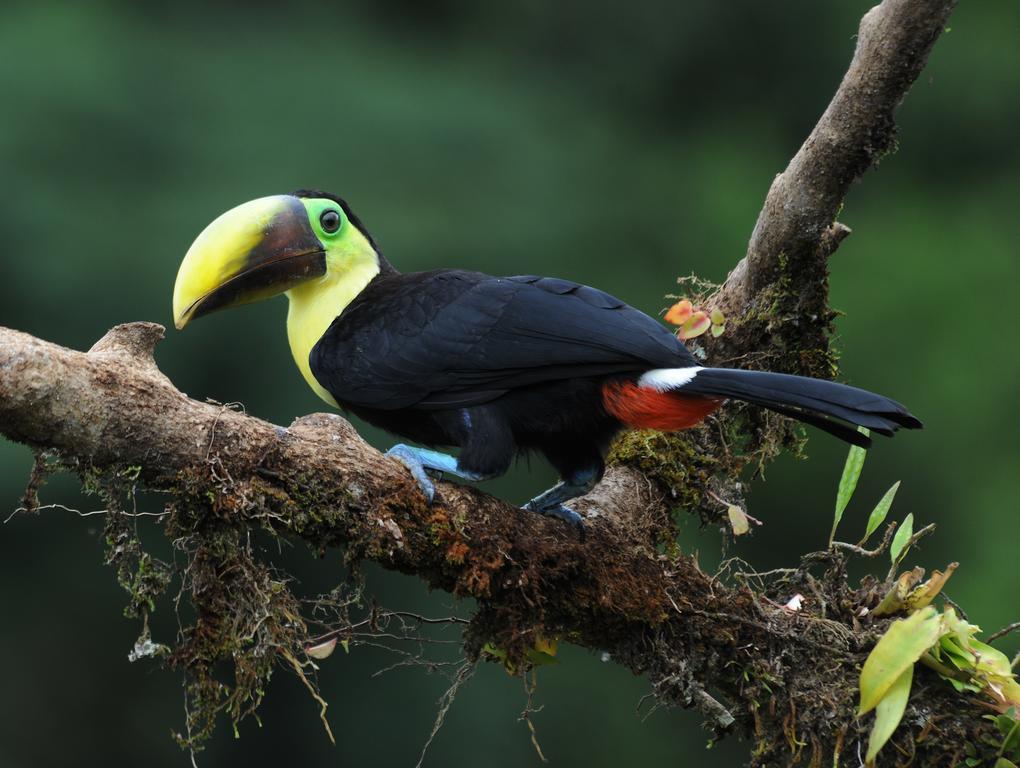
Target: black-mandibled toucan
{"x":493,"y":365}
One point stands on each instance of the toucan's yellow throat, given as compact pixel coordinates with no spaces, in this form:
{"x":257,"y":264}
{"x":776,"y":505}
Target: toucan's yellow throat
{"x":251,"y":252}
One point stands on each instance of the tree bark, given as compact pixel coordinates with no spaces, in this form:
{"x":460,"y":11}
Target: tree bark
{"x":785,"y":679}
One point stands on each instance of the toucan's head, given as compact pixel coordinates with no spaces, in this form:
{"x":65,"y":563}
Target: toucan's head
{"x":269,"y":246}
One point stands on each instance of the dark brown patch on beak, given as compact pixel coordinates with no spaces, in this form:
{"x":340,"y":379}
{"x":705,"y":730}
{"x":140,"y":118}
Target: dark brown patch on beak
{"x":288,"y":254}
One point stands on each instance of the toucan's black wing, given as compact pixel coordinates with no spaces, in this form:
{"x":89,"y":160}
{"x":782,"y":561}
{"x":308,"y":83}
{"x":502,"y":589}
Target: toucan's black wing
{"x":449,"y":339}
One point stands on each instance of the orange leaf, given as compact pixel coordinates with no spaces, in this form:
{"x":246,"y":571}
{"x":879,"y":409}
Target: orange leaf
{"x":679,"y":312}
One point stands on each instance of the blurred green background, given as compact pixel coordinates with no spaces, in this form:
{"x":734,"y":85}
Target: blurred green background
{"x":618,"y":145}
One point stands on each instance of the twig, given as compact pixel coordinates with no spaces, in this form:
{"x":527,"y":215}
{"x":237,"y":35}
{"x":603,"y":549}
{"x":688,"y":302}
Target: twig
{"x":464,"y":673}
{"x":312,"y":690}
{"x":859,"y":550}
{"x":1003,"y":632}
{"x":528,"y":711}
{"x":955,"y":605}
{"x":92,"y":513}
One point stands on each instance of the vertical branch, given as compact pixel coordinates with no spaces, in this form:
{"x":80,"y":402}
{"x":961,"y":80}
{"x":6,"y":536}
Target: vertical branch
{"x":796,"y":230}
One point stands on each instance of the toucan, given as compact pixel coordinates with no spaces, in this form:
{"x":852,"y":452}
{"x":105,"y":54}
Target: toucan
{"x":494,"y":366}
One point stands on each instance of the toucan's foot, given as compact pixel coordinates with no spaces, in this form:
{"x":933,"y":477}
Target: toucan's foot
{"x":560,"y":512}
{"x":408,"y":456}
{"x":551,"y":503}
{"x":422,"y":462}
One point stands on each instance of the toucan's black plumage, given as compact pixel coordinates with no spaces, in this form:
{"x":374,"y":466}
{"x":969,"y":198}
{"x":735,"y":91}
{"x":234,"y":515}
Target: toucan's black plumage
{"x":492,"y":365}
{"x":495,"y":365}
{"x":450,"y":339}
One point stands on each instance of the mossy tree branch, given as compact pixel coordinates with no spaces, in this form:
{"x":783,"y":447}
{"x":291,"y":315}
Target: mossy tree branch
{"x":786,"y":679}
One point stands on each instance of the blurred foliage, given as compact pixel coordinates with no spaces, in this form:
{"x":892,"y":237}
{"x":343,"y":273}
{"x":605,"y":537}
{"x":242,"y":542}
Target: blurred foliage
{"x":619,"y":147}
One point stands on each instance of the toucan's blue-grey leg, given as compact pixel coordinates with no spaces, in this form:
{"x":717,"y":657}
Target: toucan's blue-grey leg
{"x":551,"y":504}
{"x":422,"y":461}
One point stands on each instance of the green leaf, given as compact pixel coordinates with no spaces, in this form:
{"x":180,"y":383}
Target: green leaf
{"x":989,"y":660}
{"x":878,"y":514}
{"x":544,"y":651}
{"x":899,"y":542}
{"x":494,"y":651}
{"x":1010,"y":730}
{"x":848,"y":482}
{"x":541,"y":658}
{"x":900,"y":647}
{"x":959,"y":685}
{"x":501,"y":655}
{"x":889,"y":712}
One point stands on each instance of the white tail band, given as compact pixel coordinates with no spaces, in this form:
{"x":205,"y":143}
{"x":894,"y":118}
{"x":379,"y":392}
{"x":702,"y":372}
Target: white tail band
{"x":665,"y":379}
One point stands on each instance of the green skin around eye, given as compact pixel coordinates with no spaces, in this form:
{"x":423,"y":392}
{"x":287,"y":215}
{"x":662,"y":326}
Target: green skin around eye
{"x":315,"y":208}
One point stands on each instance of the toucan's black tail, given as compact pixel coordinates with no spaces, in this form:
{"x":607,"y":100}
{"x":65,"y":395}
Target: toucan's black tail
{"x":823,"y":404}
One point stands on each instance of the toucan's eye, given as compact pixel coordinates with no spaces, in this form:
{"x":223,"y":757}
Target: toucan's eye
{"x":330,"y":221}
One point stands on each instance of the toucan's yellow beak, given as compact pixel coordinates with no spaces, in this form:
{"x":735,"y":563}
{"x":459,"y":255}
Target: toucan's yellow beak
{"x":256,"y":250}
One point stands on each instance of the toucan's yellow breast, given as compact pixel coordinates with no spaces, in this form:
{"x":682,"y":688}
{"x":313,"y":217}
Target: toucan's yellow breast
{"x":315,"y":305}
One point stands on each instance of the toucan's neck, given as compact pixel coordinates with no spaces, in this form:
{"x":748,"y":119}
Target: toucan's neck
{"x":316,"y":304}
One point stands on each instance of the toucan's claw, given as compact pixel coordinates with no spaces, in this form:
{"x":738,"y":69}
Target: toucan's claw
{"x":551,"y":504}
{"x":561,"y":512}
